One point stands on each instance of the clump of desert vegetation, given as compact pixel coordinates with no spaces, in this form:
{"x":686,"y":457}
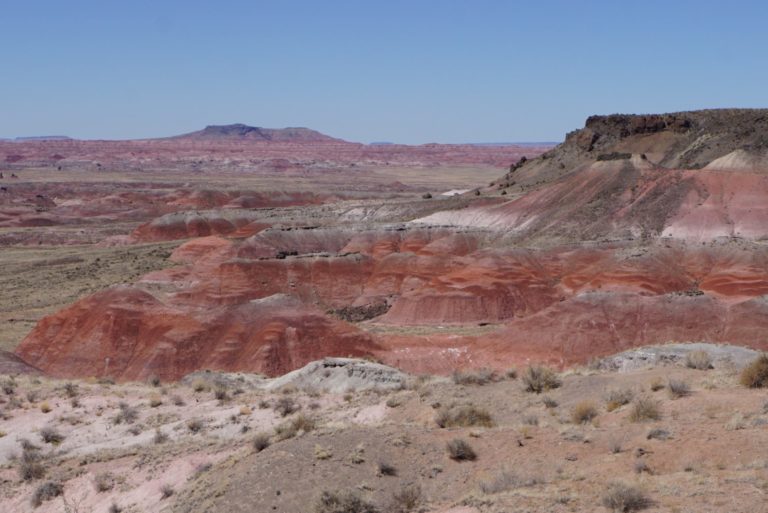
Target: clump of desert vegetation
{"x":343,"y":502}
{"x":624,"y":498}
{"x":583,"y":412}
{"x":755,"y":375}
{"x":460,"y":450}
{"x":465,"y":415}
{"x":46,"y":492}
{"x":474,"y":377}
{"x":678,"y":388}
{"x":127,"y":414}
{"x":31,"y":462}
{"x":699,"y":360}
{"x":295,"y":426}
{"x":617,"y":397}
{"x":538,"y":379}
{"x":405,"y":500}
{"x":644,"y":408}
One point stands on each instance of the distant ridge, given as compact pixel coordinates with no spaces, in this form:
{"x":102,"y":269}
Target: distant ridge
{"x":44,"y":138}
{"x":239,"y":131}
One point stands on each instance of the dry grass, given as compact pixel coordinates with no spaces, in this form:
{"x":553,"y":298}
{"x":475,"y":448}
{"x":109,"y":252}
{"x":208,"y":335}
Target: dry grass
{"x":538,"y":379}
{"x":406,"y":500}
{"x":31,"y":462}
{"x":343,"y":502}
{"x":260,"y":442}
{"x":285,"y":406}
{"x":699,"y":360}
{"x":46,"y":491}
{"x":624,"y":498}
{"x":617,"y":397}
{"x":583,"y":412}
{"x":678,"y":388}
{"x":295,"y":426}
{"x":755,"y":375}
{"x":51,"y":435}
{"x":644,"y":408}
{"x":474,"y":377}
{"x":127,"y":414}
{"x":104,"y":482}
{"x":467,"y":415}
{"x":460,"y":450}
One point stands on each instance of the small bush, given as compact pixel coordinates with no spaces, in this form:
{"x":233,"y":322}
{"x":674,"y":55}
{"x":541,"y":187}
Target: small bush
{"x":426,"y":195}
{"x":641,"y":466}
{"x":104,"y":482}
{"x":386,"y":469}
{"x":322,"y":453}
{"x":583,"y":412}
{"x":460,"y":450}
{"x":260,"y":442}
{"x":127,"y":414}
{"x":114,"y":508}
{"x":166,"y":491}
{"x":46,"y":492}
{"x":644,"y":408}
{"x":657,"y":384}
{"x":295,"y":426}
{"x":343,"y":502}
{"x":32,"y":396}
{"x":195,"y":425}
{"x":393,"y":402}
{"x":51,"y":435}
{"x":154,"y":381}
{"x":155,"y":400}
{"x":511,"y":373}
{"x":45,"y":407}
{"x":464,"y":416}
{"x":755,"y":375}
{"x":539,"y":379}
{"x":71,"y":389}
{"x":474,"y":377}
{"x":548,"y":402}
{"x":177,"y":400}
{"x":678,"y":388}
{"x":160,"y":437}
{"x":286,"y":406}
{"x":624,"y":498}
{"x":699,"y":360}
{"x":9,"y":386}
{"x":405,"y":500}
{"x":505,"y":480}
{"x":616,"y":398}
{"x":220,"y":393}
{"x":31,"y":462}
{"x":200,"y":385}
{"x":657,"y":434}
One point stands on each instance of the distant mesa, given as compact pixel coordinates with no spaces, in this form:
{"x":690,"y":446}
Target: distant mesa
{"x":43,"y":138}
{"x":239,"y":131}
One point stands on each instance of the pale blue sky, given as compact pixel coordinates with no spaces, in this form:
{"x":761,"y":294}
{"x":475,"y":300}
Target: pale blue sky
{"x":404,"y":71}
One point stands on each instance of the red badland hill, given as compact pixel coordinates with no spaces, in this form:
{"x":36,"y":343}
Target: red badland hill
{"x":632,"y":232}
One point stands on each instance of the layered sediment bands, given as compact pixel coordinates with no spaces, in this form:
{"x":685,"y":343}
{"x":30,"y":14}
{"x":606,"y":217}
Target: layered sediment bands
{"x":129,"y":334}
{"x":217,"y":309}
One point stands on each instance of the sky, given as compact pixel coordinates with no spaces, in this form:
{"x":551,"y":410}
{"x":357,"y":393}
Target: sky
{"x":414,"y":72}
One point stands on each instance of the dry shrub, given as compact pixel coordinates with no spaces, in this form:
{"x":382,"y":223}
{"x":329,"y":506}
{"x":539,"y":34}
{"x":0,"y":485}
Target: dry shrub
{"x":45,"y":407}
{"x":678,"y":388}
{"x":644,"y":408}
{"x":295,"y":426}
{"x":31,"y":463}
{"x":504,"y":481}
{"x":200,"y":385}
{"x":386,"y":469}
{"x":285,"y":406}
{"x":195,"y":425}
{"x":343,"y":502}
{"x":166,"y":491}
{"x":618,"y":397}
{"x":657,"y":384}
{"x":624,"y":498}
{"x":177,"y":400}
{"x":405,"y":500}
{"x":46,"y":492}
{"x":548,"y":402}
{"x":51,"y":435}
{"x":159,"y":437}
{"x":220,"y":393}
{"x":538,"y":379}
{"x":467,"y":415}
{"x":474,"y":377}
{"x":323,"y":453}
{"x":104,"y":481}
{"x":127,"y":414}
{"x":155,"y":400}
{"x":583,"y":412}
{"x":755,"y":375}
{"x":260,"y":442}
{"x":698,"y":360}
{"x":658,"y":434}
{"x":460,"y":450}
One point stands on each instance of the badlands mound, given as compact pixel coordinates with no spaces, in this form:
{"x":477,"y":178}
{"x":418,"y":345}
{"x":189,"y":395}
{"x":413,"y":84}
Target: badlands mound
{"x":634,"y":231}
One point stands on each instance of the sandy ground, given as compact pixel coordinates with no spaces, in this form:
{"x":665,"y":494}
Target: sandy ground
{"x":706,"y":454}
